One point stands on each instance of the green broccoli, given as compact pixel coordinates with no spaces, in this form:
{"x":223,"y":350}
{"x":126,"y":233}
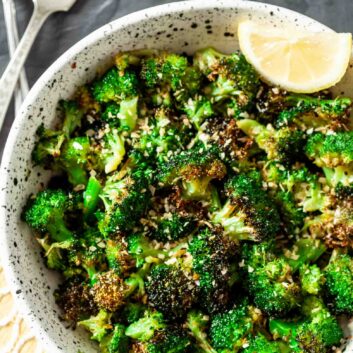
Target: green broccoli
{"x":197,"y":324}
{"x":145,"y":328}
{"x":46,"y":213}
{"x":141,"y":249}
{"x":198,"y":110}
{"x":229,"y":330}
{"x":172,"y":226}
{"x":115,"y":87}
{"x":330,"y":150}
{"x":99,"y":325}
{"x":316,"y":333}
{"x":311,"y":279}
{"x":260,"y":344}
{"x":125,"y":201}
{"x":339,"y":281}
{"x":248,"y":214}
{"x":115,"y":342}
{"x":112,"y":151}
{"x":73,"y":159}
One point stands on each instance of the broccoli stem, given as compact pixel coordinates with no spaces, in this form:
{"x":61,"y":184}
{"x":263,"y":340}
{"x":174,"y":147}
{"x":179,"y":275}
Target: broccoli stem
{"x":91,"y":196}
{"x":58,"y":230}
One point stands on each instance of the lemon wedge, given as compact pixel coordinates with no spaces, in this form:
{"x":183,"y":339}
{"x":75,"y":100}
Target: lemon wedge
{"x":297,"y":61}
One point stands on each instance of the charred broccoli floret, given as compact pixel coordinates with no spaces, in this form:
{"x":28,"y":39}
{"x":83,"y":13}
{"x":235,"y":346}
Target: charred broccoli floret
{"x":171,"y":290}
{"x":284,"y":145}
{"x":317,"y":332}
{"x":231,"y":76}
{"x":249,"y":213}
{"x":313,"y":111}
{"x":212,"y":263}
{"x":196,"y":168}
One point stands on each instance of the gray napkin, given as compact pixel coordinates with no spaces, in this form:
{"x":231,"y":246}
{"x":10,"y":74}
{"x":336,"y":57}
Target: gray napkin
{"x":62,"y":30}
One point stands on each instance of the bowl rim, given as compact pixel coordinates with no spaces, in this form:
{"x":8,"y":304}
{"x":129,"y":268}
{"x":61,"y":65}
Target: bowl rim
{"x":13,"y":283}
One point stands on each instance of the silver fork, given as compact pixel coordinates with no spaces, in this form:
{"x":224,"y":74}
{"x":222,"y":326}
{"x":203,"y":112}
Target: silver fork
{"x":12,"y":40}
{"x":42,"y":9}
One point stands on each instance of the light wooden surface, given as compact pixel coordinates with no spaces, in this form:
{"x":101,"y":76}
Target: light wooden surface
{"x":15,"y":336}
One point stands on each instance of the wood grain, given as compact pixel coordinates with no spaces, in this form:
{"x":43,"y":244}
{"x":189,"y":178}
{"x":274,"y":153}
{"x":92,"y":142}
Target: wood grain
{"x":15,"y":335}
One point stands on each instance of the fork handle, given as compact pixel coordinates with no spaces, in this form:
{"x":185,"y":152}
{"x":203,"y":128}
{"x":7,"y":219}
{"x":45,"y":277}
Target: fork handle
{"x":13,"y":69}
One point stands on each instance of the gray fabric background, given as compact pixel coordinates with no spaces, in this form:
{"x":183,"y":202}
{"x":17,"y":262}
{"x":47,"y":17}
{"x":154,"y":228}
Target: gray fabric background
{"x":62,"y":30}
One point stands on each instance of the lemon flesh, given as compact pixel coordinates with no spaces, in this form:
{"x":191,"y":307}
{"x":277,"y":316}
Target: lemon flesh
{"x":297,"y":61}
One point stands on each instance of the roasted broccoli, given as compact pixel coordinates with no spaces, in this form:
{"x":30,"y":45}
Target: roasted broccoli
{"x":249,"y":213}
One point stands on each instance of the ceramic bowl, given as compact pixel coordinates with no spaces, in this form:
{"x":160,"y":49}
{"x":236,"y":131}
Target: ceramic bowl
{"x":182,"y":27}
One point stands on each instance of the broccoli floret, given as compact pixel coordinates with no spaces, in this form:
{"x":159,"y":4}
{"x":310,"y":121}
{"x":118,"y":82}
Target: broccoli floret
{"x":291,"y":214}
{"x":46,"y":213}
{"x":73,"y":115}
{"x":303,"y":252}
{"x":48,"y":146}
{"x":248,"y":214}
{"x":198,"y":110}
{"x":172,"y":339}
{"x":212,"y":263}
{"x":75,"y":300}
{"x":118,"y":258}
{"x":171,"y":290}
{"x":173,"y":226}
{"x":110,"y":115}
{"x":196,"y":168}
{"x":125,"y":201}
{"x":171,"y":72}
{"x":313,"y":111}
{"x":74,"y":158}
{"x":339,"y":282}
{"x":115,"y":342}
{"x":231,"y":76}
{"x":272,"y":287}
{"x":132,"y":312}
{"x":99,"y":325}
{"x":197,"y":324}
{"x":330,"y":150}
{"x":284,"y":145}
{"x":305,"y":187}
{"x":318,"y":332}
{"x":112,"y":151}
{"x":110,"y":291}
{"x":145,"y":328}
{"x":229,"y":331}
{"x":140,"y":248}
{"x":260,"y":344}
{"x":115,"y":87}
{"x":87,"y":253}
{"x":335,"y":227}
{"x":311,"y":279}
{"x":341,"y":179}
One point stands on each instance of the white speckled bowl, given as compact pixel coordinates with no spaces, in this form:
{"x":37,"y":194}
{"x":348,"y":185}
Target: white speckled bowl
{"x":182,"y":26}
